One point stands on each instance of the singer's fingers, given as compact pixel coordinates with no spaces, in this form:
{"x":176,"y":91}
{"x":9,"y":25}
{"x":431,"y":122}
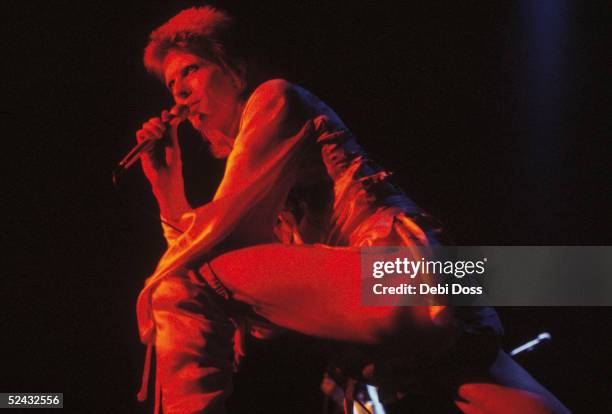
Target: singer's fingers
{"x":157,"y":122}
{"x":143,"y":135}
{"x":173,"y":151}
{"x":147,"y":134}
{"x":173,"y":132}
{"x":166,"y":115}
{"x":155,"y":130}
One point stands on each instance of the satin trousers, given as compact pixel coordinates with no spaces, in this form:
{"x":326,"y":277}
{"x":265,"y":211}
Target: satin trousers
{"x":313,"y":290}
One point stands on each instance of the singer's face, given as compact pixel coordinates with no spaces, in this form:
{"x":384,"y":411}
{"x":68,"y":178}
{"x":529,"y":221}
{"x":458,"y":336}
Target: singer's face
{"x":211,"y":93}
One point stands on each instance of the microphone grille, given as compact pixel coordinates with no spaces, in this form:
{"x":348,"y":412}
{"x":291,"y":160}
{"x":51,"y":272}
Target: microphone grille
{"x":180,"y":111}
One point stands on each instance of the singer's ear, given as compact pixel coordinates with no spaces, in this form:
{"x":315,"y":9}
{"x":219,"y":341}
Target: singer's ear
{"x":238,"y":74}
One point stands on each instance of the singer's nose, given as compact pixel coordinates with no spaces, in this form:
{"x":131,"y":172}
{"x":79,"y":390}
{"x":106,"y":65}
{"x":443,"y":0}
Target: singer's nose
{"x":181,"y":92}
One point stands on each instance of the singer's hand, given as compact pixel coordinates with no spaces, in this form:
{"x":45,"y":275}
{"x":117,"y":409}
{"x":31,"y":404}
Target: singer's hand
{"x":163,"y":167}
{"x":154,"y":130}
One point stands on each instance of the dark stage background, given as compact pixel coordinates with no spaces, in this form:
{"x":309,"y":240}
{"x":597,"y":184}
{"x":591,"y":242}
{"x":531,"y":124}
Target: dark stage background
{"x":495,"y":119}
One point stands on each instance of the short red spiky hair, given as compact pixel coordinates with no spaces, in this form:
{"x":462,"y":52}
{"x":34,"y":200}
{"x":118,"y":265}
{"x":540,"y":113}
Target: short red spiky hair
{"x":203,"y":31}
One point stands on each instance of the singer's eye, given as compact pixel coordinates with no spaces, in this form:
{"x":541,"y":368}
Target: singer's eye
{"x":184,"y":73}
{"x":189,"y":69}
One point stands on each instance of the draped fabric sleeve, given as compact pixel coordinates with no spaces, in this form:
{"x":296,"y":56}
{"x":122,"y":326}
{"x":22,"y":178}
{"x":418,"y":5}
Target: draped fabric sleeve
{"x":273,"y":131}
{"x":171,"y":231}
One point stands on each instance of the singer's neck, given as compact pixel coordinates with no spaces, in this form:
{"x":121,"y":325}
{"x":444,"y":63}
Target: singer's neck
{"x":220,"y":144}
{"x":221,"y":140}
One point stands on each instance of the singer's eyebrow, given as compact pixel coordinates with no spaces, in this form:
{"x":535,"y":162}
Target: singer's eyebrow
{"x":183,"y":72}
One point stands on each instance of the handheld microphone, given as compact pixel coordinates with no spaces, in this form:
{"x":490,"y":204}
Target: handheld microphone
{"x":178,"y":111}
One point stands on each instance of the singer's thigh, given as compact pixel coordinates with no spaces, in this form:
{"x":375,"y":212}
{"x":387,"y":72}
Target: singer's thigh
{"x":313,"y":289}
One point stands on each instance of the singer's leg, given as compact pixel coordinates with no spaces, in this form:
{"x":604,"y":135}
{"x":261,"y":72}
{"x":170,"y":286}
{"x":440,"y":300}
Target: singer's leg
{"x":193,"y":348}
{"x":315,"y":290}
